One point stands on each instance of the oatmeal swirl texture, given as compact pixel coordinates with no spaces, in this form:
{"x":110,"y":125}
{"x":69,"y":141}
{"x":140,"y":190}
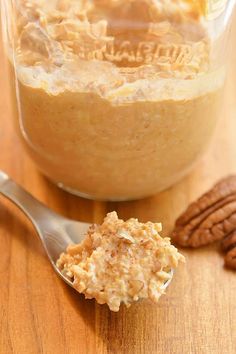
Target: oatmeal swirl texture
{"x":116,"y":99}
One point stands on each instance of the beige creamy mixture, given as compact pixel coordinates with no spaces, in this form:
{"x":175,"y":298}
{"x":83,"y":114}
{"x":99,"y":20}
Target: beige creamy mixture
{"x":121,"y":262}
{"x":116,"y":98}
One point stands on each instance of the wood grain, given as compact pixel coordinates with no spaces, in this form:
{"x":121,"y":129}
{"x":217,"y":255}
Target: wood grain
{"x":40,"y":314}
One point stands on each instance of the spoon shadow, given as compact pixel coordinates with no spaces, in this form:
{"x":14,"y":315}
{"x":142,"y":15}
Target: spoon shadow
{"x":84,"y":308}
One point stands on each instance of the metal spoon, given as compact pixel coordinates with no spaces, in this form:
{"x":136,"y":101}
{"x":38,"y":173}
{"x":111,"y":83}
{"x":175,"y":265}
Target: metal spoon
{"x":55,"y":231}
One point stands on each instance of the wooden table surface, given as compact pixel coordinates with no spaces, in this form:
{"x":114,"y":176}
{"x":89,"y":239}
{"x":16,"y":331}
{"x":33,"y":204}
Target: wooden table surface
{"x":41,"y":314}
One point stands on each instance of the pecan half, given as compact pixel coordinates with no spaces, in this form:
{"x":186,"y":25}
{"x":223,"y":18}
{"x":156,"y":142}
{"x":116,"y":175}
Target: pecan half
{"x":229,"y":241}
{"x":230,"y":259}
{"x":212,"y":217}
{"x":229,"y":246}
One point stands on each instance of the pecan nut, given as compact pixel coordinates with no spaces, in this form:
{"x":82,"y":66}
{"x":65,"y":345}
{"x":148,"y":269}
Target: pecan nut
{"x":212,"y":217}
{"x":230,"y":259}
{"x":229,"y":246}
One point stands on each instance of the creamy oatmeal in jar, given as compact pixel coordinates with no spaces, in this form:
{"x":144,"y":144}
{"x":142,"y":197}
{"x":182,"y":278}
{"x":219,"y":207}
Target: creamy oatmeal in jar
{"x":121,"y":262}
{"x":116,"y":99}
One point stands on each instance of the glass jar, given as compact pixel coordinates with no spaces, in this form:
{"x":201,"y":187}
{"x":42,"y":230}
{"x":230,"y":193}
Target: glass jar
{"x":116,"y":99}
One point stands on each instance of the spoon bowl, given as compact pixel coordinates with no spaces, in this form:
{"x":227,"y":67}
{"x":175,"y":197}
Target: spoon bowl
{"x":55,"y":231}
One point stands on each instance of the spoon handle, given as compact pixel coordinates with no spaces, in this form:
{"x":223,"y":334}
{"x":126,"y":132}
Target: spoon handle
{"x":34,"y":209}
